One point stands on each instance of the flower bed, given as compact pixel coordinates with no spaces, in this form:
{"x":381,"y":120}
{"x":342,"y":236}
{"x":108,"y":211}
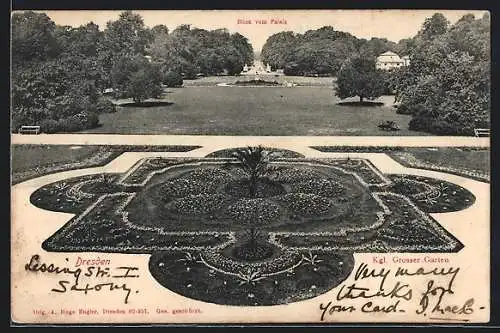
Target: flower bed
{"x":355,"y":149}
{"x":254,"y":211}
{"x":310,"y":216}
{"x":306,"y":204}
{"x":287,"y":174}
{"x":363,"y":168}
{"x":285,"y":260}
{"x":195,"y":204}
{"x":256,"y":82}
{"x":75,"y":194}
{"x":264,"y":188}
{"x":432,"y":195}
{"x":278,"y":152}
{"x":146,"y":168}
{"x":406,"y":229}
{"x":322,"y":187}
{"x":103,"y":227}
{"x":407,"y":157}
{"x":195,"y":182}
{"x":194,"y":279}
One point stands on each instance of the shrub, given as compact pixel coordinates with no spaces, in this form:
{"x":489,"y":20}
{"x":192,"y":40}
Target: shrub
{"x":49,"y":126}
{"x":403,"y":109}
{"x":443,"y":127}
{"x":78,"y":122}
{"x":104,"y":105}
{"x":292,"y":70}
{"x":92,"y":120}
{"x":435,"y":126}
{"x":172,"y":79}
{"x":234,"y":68}
{"x":420,"y":123}
{"x":69,"y":125}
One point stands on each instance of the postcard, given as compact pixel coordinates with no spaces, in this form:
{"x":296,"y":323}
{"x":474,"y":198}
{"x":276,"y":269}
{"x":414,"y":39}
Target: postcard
{"x":250,"y":166}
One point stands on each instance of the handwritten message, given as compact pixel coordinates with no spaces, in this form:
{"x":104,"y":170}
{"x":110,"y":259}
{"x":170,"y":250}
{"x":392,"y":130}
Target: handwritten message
{"x":98,"y":278}
{"x":424,"y":290}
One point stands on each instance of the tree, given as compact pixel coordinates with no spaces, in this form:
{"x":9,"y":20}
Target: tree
{"x":375,"y":47}
{"x":159,"y":30}
{"x":134,"y":77}
{"x":316,"y":52}
{"x":358,"y":77}
{"x":405,"y":46}
{"x":190,"y":51}
{"x":81,"y":41}
{"x":172,"y":79}
{"x":32,"y":37}
{"x":446,"y":88}
{"x":244,"y":48}
{"x":434,"y":26}
{"x":254,"y":161}
{"x":54,"y":89}
{"x":125,"y":36}
{"x":277,"y":48}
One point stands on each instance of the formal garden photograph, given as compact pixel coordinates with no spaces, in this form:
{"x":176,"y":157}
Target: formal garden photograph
{"x":255,"y":225}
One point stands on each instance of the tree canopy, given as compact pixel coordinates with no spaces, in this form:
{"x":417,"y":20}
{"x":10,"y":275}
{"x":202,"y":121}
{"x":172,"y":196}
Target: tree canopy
{"x":447,"y":85}
{"x":319,"y":52}
{"x":359,"y":77}
{"x":191,"y":51}
{"x":60,"y":72}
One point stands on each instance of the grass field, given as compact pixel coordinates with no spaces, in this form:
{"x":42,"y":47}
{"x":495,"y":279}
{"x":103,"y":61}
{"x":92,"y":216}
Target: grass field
{"x":30,"y":161}
{"x":458,"y":158}
{"x":468,"y":162}
{"x":27,"y":157}
{"x":213,"y":110}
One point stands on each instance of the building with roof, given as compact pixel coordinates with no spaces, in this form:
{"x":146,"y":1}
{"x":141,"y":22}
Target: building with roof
{"x":389,"y":60}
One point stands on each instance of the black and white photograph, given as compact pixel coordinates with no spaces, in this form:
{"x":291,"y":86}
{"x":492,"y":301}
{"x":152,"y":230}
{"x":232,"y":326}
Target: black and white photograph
{"x":247,"y":166}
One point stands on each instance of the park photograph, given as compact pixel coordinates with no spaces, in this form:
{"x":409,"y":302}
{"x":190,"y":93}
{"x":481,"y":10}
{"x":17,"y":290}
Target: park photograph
{"x":133,"y":74}
{"x":247,"y":166}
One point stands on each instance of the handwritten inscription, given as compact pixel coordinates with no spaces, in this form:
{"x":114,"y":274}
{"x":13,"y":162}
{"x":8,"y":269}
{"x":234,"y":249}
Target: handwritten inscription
{"x":382,"y":290}
{"x":106,"y":279}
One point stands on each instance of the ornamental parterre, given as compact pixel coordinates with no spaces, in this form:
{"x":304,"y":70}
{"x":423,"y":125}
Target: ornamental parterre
{"x":291,"y":238}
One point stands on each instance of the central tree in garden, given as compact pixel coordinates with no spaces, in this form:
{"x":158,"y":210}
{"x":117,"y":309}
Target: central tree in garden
{"x":359,"y":77}
{"x":254,"y":161}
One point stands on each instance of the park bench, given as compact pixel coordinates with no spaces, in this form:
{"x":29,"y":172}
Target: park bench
{"x":481,"y":132}
{"x":388,"y":126}
{"x":29,"y":129}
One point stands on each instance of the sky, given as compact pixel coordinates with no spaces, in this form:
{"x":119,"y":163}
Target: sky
{"x":391,"y":24}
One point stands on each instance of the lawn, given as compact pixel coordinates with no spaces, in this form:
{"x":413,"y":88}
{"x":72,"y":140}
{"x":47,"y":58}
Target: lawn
{"x":464,"y":161}
{"x":30,"y":161}
{"x":213,"y":110}
{"x":28,"y":157}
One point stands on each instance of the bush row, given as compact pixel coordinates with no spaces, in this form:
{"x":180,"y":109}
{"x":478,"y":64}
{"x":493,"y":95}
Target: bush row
{"x":439,"y":126}
{"x":75,"y":123}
